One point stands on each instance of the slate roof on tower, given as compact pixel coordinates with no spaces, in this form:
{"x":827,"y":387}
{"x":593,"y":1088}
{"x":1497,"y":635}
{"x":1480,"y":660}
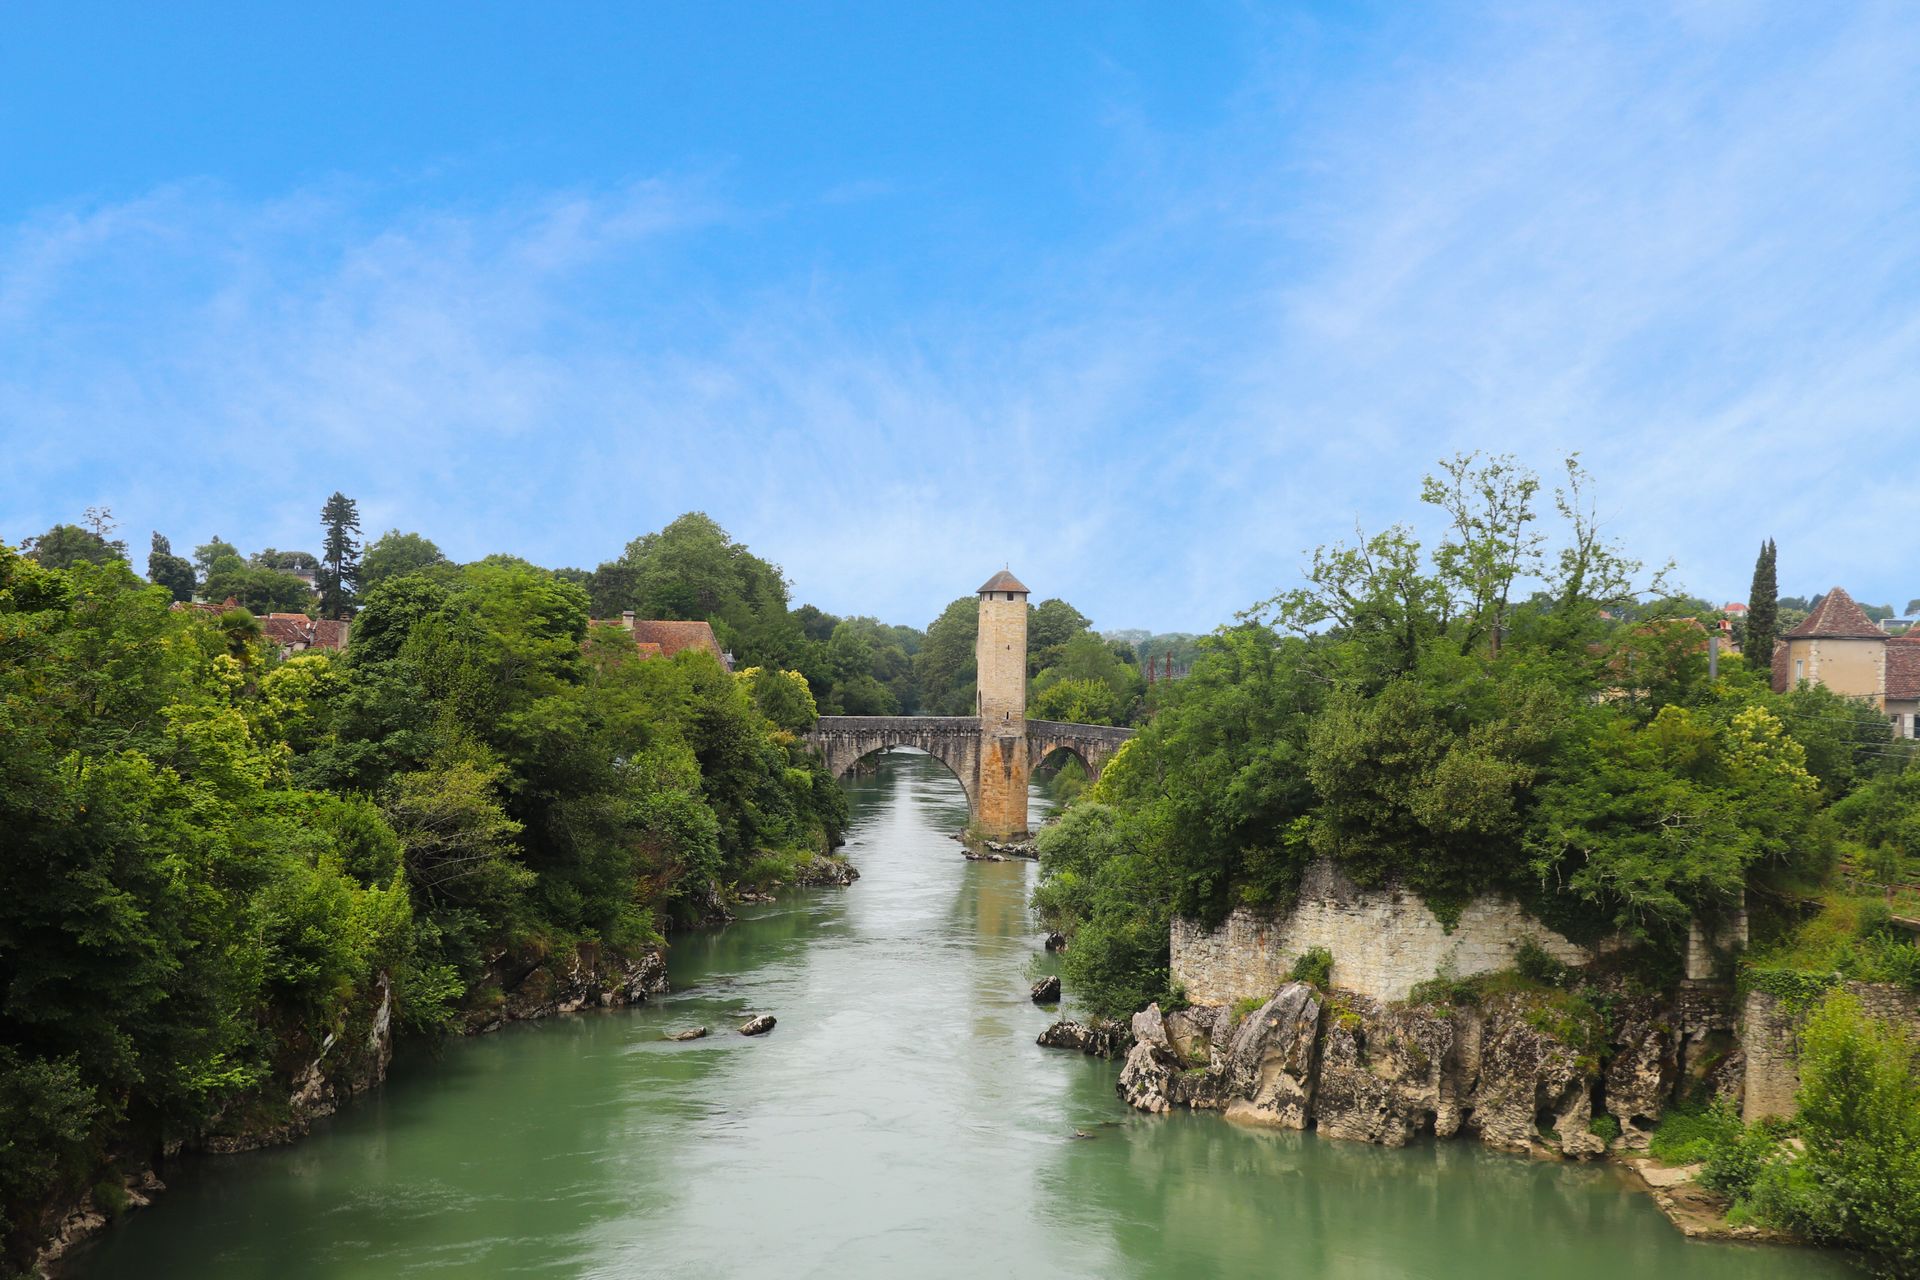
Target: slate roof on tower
{"x":1001,"y":581}
{"x":1837,"y":617}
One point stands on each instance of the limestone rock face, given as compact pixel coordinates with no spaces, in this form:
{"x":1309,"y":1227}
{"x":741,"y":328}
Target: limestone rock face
{"x":1046,"y":991}
{"x":585,"y":978}
{"x":1389,"y":1073}
{"x":1269,"y":1064}
{"x":1640,"y":1078}
{"x":691,"y":1033}
{"x":1527,"y":1076}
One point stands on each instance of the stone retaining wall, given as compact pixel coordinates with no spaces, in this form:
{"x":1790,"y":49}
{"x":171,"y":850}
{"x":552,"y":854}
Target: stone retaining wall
{"x":1770,"y":1035}
{"x":1383,"y":941}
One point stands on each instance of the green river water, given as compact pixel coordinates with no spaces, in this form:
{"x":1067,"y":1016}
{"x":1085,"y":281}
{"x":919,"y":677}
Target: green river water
{"x":900,"y":1121}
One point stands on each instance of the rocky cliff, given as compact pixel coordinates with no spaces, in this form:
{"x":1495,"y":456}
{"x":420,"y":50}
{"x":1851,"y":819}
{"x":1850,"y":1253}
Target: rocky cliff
{"x":1519,"y":1071}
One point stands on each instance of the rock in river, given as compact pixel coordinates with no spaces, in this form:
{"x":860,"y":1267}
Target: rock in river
{"x":758,"y":1025}
{"x":1056,"y":942}
{"x":691,"y":1033}
{"x":1047,"y":991}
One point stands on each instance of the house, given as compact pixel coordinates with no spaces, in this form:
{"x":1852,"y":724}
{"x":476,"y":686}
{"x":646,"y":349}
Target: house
{"x":1734,"y":610}
{"x":661,"y":638}
{"x":296,"y":633}
{"x":1838,"y":647}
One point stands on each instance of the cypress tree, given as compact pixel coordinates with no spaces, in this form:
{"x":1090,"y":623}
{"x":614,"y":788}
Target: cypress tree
{"x":340,"y":556}
{"x":1762,"y":610}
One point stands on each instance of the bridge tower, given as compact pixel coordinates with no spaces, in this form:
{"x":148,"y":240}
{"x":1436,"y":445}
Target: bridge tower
{"x":1000,"y":665}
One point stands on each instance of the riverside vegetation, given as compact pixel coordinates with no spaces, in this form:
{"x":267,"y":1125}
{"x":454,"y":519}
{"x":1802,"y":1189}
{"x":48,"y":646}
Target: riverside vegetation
{"x":221,"y":866}
{"x":231,"y":876}
{"x":1411,"y":715}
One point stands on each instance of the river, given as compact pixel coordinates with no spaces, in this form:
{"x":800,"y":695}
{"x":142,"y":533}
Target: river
{"x":899,"y":1121}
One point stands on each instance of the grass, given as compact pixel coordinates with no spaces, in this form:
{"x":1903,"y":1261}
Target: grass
{"x":1692,"y":1134}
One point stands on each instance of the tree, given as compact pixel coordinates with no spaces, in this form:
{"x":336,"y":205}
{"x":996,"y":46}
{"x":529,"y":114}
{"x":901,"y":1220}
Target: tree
{"x":1763,"y":610}
{"x":394,"y":554}
{"x":339,"y":556}
{"x":286,"y":561}
{"x":66,"y":545}
{"x":165,"y":569}
{"x":944,"y":665}
{"x":1913,"y":607}
{"x":255,"y":588}
{"x":1049,"y":626}
{"x":207,"y":552}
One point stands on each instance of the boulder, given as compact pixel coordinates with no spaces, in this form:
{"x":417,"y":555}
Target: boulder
{"x":1269,"y":1069}
{"x":1155,"y":1078}
{"x":826,"y":872}
{"x":1047,"y":990}
{"x":691,"y":1033}
{"x":1056,"y":942}
{"x":758,"y":1025}
{"x":1101,"y":1040}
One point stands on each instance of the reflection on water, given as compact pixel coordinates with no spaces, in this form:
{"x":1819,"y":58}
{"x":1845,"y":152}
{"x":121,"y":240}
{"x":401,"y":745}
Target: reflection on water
{"x":899,"y":1120}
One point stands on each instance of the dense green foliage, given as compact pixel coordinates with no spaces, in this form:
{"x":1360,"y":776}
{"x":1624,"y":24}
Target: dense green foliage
{"x":395,"y":554}
{"x":1846,"y":1169}
{"x":216,"y":860}
{"x":1407,"y":713}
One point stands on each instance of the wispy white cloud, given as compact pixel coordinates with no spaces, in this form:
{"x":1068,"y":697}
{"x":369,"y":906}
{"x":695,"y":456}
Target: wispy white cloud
{"x":1684,"y":244}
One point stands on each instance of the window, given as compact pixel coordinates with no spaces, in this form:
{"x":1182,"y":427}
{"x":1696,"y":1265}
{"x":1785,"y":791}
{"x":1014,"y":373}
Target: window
{"x":1799,"y":670}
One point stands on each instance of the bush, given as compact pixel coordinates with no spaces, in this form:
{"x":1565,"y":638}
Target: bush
{"x":1315,"y":968}
{"x":1858,"y":1178}
{"x":1692,"y":1135}
{"x":1604,"y":1127}
{"x":1536,"y":963}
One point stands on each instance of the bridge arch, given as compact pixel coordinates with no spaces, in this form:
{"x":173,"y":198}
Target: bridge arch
{"x":954,"y":741}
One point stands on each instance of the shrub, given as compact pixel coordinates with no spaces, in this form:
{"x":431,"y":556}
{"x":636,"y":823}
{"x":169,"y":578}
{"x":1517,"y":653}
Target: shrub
{"x":1535,"y":962}
{"x":1692,"y":1135}
{"x":1604,"y":1127}
{"x":1858,"y":1179}
{"x":1315,"y":967}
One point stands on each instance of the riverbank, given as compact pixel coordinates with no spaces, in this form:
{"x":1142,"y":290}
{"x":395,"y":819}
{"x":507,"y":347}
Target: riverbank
{"x":900,"y":1118}
{"x":1519,"y":1071}
{"x":520,"y":986}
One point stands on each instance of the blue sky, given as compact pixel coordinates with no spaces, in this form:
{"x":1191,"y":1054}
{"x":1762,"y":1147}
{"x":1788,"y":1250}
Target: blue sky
{"x":1144,"y":300}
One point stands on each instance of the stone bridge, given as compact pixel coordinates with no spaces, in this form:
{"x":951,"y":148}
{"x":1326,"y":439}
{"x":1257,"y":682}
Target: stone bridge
{"x":967,"y":747}
{"x":994,"y":750}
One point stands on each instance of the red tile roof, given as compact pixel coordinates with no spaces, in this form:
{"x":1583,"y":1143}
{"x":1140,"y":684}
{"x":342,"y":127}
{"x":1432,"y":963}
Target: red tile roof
{"x":672,"y":637}
{"x":330,"y":633}
{"x":1001,"y":581}
{"x":1781,"y":680}
{"x":1837,"y":617}
{"x":1903,"y":672}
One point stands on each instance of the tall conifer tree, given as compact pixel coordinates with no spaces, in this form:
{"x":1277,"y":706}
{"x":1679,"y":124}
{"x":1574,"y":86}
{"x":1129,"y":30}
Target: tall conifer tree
{"x":1762,"y":610}
{"x":340,"y":556}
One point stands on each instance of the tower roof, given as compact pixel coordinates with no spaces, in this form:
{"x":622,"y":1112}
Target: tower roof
{"x":1837,"y":617}
{"x":1002,"y":581}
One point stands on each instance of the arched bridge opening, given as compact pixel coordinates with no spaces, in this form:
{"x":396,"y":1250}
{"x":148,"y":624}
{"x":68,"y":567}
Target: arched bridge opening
{"x":969,"y":750}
